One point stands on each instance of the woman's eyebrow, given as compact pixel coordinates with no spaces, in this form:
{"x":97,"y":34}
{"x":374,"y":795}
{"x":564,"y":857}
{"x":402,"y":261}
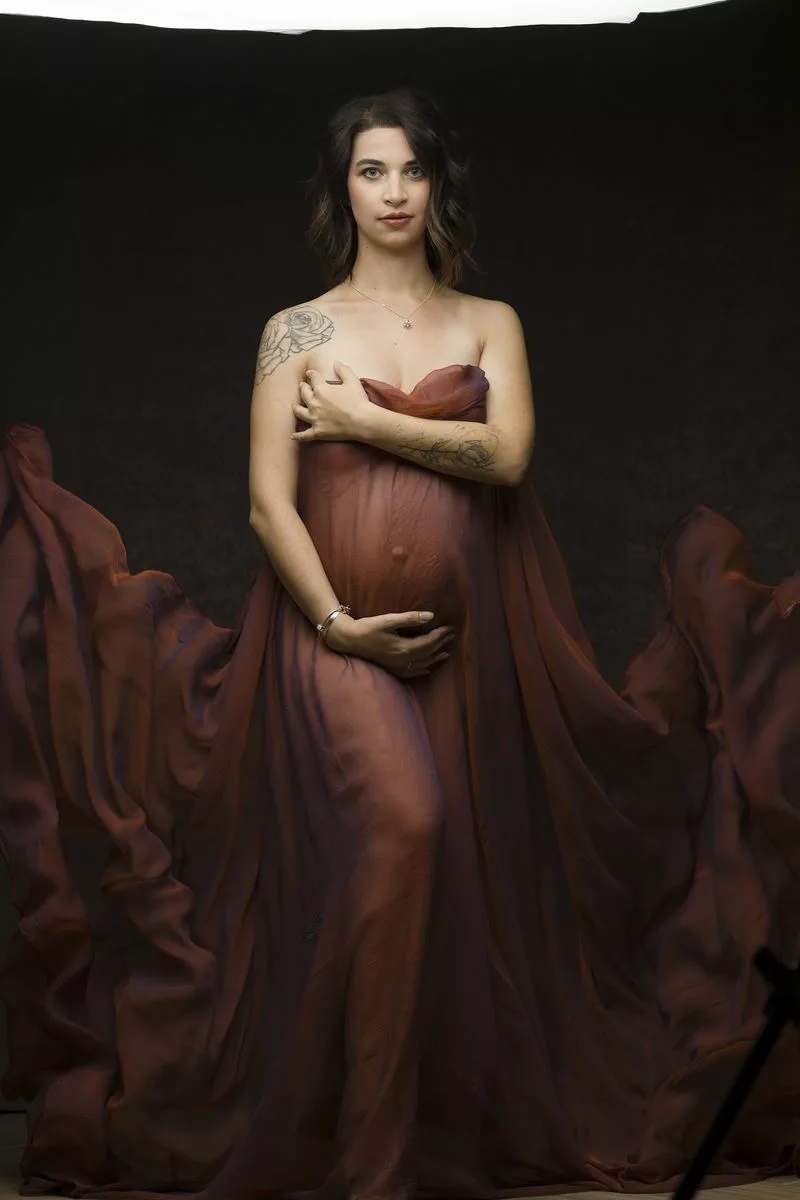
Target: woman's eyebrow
{"x":378,"y":162}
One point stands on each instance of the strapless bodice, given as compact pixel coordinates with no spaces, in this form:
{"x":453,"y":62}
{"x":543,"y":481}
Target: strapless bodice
{"x":456,"y":390}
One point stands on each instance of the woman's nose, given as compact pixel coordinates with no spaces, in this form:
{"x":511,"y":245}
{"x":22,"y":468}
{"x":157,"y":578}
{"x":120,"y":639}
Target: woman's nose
{"x":395,"y":191}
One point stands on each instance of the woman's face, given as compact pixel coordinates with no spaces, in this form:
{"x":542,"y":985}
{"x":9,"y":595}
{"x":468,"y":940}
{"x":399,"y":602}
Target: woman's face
{"x":384,"y":177}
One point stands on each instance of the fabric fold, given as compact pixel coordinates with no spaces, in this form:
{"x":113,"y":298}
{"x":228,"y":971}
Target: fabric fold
{"x":290,"y":926}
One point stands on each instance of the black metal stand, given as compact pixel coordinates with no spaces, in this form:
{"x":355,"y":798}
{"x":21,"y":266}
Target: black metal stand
{"x":783,"y":1005}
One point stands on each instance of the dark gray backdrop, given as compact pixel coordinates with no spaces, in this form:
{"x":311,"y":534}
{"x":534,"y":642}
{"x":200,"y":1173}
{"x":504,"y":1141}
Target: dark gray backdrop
{"x":638,"y":200}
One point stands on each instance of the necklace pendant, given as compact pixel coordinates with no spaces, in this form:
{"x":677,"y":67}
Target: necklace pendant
{"x":407,"y":324}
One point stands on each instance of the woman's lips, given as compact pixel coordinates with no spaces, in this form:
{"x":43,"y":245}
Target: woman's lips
{"x":395,"y":220}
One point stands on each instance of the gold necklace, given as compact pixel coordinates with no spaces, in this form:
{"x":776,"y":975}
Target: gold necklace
{"x":406,"y":320}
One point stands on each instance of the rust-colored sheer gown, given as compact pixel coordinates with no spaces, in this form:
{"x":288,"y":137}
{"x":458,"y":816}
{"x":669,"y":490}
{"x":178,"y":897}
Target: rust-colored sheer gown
{"x":290,"y":926}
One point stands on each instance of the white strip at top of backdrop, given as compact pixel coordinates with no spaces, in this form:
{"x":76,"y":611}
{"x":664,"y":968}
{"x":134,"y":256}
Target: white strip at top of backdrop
{"x":301,"y":16}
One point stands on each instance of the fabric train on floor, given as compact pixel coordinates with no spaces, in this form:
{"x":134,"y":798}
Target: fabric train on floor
{"x":290,"y":926}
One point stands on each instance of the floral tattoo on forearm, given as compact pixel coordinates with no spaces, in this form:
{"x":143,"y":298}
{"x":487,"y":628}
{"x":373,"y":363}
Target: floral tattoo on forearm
{"x":474,"y":452}
{"x":293,"y":331}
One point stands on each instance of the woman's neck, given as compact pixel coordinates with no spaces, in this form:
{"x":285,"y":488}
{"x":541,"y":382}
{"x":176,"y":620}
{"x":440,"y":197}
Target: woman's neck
{"x":392,"y":277}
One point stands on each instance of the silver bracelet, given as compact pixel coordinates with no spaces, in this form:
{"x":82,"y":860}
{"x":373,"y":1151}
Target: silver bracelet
{"x":325,"y":625}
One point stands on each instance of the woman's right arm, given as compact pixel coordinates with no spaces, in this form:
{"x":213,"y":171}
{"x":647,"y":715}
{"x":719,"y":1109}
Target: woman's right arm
{"x":273,"y":479}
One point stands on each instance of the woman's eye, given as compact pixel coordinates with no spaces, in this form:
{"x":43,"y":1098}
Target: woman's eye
{"x":367,"y":169}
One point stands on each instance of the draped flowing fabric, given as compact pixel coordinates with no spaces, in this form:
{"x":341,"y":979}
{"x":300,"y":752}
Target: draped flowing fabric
{"x":291,"y":926}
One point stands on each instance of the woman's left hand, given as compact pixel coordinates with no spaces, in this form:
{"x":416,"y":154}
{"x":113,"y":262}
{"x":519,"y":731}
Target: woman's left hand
{"x":334,"y":412}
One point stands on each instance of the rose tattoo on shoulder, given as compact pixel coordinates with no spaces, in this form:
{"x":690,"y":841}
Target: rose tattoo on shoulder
{"x":291,"y":332}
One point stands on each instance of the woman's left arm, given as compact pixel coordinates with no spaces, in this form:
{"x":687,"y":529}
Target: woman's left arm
{"x":497,"y":452}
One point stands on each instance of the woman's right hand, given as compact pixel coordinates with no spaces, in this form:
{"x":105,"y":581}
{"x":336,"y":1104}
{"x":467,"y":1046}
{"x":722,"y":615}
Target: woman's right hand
{"x":375,"y":639}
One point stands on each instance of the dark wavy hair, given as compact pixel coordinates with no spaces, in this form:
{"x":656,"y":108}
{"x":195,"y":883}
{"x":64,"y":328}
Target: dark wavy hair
{"x":450,"y":231}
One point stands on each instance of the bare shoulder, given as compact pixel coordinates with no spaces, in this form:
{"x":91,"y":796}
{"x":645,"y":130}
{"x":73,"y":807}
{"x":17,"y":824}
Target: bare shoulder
{"x":481,"y":304}
{"x":490,"y":318}
{"x":291,"y":334}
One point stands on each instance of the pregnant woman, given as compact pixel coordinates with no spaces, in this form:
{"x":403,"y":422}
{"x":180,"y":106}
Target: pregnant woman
{"x":386,"y":893}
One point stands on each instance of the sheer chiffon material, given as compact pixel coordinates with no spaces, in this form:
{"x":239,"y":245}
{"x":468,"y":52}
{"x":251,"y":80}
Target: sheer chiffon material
{"x":289,"y":925}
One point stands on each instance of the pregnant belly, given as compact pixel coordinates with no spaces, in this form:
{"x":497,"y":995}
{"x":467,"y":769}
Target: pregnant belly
{"x":400,"y":538}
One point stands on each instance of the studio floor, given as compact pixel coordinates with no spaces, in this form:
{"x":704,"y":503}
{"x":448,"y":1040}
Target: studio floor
{"x":12,"y":1139}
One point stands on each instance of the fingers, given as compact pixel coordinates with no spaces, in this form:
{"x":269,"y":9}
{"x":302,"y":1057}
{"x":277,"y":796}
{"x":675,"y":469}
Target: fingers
{"x":388,"y":623}
{"x":313,"y":378}
{"x":307,"y":434}
{"x":309,"y":396}
{"x":404,"y":620}
{"x":418,"y":656}
{"x":342,"y":374}
{"x":406,"y":656}
{"x":428,"y":641}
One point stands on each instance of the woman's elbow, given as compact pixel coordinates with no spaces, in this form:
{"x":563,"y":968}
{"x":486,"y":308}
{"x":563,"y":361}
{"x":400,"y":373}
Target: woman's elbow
{"x":272,"y":510}
{"x":512,"y":477}
{"x":516,"y":469}
{"x":262,"y":514}
{"x":257,"y":510}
